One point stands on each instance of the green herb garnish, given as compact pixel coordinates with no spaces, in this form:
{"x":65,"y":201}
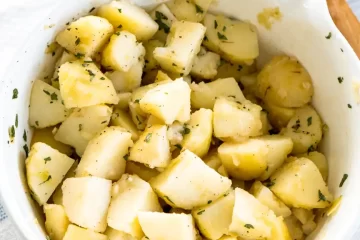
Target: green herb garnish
{"x":159,"y":20}
{"x":329,"y":35}
{"x":340,"y":79}
{"x":198,"y":9}
{"x":126,"y":157}
{"x":77,"y":42}
{"x":321,"y":196}
{"x":92,"y":75}
{"x":148,"y":138}
{"x":200,"y":212}
{"x":47,"y":159}
{"x":12,"y":132}
{"x":349,"y":106}
{"x":48,"y":179}
{"x":15,"y":93}
{"x":16,"y":121}
{"x":46,"y":92}
{"x":178,"y":146}
{"x":345,"y":176}
{"x":309,"y":121}
{"x":25,"y":136}
{"x":221,"y":36}
{"x":210,"y":201}
{"x":215,"y":24}
{"x":54,"y":96}
{"x":119,"y":10}
{"x":79,"y":55}
{"x":249,"y":226}
{"x":26,"y":149}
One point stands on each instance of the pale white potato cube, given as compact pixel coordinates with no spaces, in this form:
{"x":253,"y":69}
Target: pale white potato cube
{"x":85,"y":36}
{"x":303,"y":215}
{"x":192,"y":11}
{"x":309,"y":227}
{"x":182,"y":46}
{"x":82,"y":125}
{"x":305,"y":130}
{"x":205,"y":64}
{"x":198,"y":132}
{"x":279,"y":229}
{"x":150,"y":61}
{"x":235,"y":119}
{"x":213,"y":220}
{"x":131,"y":195}
{"x":124,"y":99}
{"x":123,"y":52}
{"x":45,"y":169}
{"x":294,"y":227}
{"x":113,"y":234}
{"x":266,"y":197}
{"x":122,"y":119}
{"x":46,"y":106}
{"x":265,"y":124}
{"x":279,"y":116}
{"x":152,"y":148}
{"x":320,"y":161}
{"x":106,"y":154}
{"x":300,"y":184}
{"x":82,"y":84}
{"x":126,"y":16}
{"x":164,"y":18}
{"x":251,"y":219}
{"x":141,"y":170}
{"x":161,"y":76}
{"x":244,"y":161}
{"x":86,"y":201}
{"x":65,"y":57}
{"x":56,"y":222}
{"x":167,"y":226}
{"x":75,"y":233}
{"x":204,"y":95}
{"x":168,"y":101}
{"x":181,"y":185}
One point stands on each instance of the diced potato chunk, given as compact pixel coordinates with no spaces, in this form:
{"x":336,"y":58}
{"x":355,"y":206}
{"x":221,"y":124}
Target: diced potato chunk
{"x":56,"y":222}
{"x":235,"y":119}
{"x":65,"y":57}
{"x":265,"y":125}
{"x":75,"y":233}
{"x":205,"y":64}
{"x":45,"y":169}
{"x":192,"y":11}
{"x":150,"y":61}
{"x":279,"y":229}
{"x":300,"y":184}
{"x":181,"y":185}
{"x":305,"y":130}
{"x":161,"y":76}
{"x":123,"y":53}
{"x":124,"y":99}
{"x":45,"y":97}
{"x":204,"y":95}
{"x":303,"y":215}
{"x":82,"y":84}
{"x":141,"y":170}
{"x":82,"y":125}
{"x":237,"y":71}
{"x":113,"y":234}
{"x":236,"y":41}
{"x":320,"y":161}
{"x":294,"y":228}
{"x":57,"y":197}
{"x":182,"y":46}
{"x":168,"y":101}
{"x":244,"y":161}
{"x":122,"y":119}
{"x":198,"y":132}
{"x":167,"y":226}
{"x":85,"y":36}
{"x":106,"y":154}
{"x":279,"y":116}
{"x":251,"y":219}
{"x":126,"y":16}
{"x":131,"y":195}
{"x":213,"y":220}
{"x":266,"y":197}
{"x":164,"y":18}
{"x":309,"y":227}
{"x":86,"y":201}
{"x":285,"y":82}
{"x":46,"y":136}
{"x":152,"y":148}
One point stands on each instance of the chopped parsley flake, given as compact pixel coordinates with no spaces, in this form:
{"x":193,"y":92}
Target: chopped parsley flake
{"x":26,"y":149}
{"x":54,"y":96}
{"x":120,"y":26}
{"x":249,"y":226}
{"x":309,"y":121}
{"x":311,"y":149}
{"x":269,"y":183}
{"x":16,"y":121}
{"x":92,"y":75}
{"x":148,"y":138}
{"x":215,"y":24}
{"x":186,"y":130}
{"x":210,"y":201}
{"x":321,"y":196}
{"x":25,"y":136}
{"x":178,"y":146}
{"x":48,"y":179}
{"x":297,"y":125}
{"x":102,"y":78}
{"x":166,"y":197}
{"x":340,"y":79}
{"x":37,"y":123}
{"x":159,"y":20}
{"x":77,"y":42}
{"x":92,"y":9}
{"x":46,"y":92}
{"x":221,"y":36}
{"x":345,"y":176}
{"x":126,"y":157}
{"x":15,"y":93}
{"x":329,"y":35}
{"x":119,"y":10}
{"x":47,"y":159}
{"x":349,"y":106}
{"x":12,"y":131}
{"x":79,"y":55}
{"x":80,"y":127}
{"x":198,"y":9}
{"x":224,"y":28}
{"x":200,"y":212}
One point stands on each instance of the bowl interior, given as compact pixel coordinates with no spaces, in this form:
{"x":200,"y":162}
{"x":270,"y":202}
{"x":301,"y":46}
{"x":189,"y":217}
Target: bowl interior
{"x":301,"y":32}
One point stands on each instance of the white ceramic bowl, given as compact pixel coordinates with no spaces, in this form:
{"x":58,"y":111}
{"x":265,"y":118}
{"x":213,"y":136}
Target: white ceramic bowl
{"x":25,"y":32}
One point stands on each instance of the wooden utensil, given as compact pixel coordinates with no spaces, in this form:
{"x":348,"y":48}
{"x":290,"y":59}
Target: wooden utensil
{"x":346,"y":22}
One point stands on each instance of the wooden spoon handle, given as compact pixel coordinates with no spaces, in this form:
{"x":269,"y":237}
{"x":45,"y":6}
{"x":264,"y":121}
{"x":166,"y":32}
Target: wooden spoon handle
{"x":346,"y":22}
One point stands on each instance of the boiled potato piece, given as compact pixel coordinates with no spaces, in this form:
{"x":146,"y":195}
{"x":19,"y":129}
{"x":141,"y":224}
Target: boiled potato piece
{"x":250,"y":219}
{"x":86,"y":201}
{"x":205,"y":64}
{"x":320,"y":161}
{"x":152,"y":148}
{"x":305,"y":130}
{"x":56,"y":222}
{"x":150,"y":61}
{"x":279,"y":229}
{"x":265,"y":124}
{"x":45,"y":169}
{"x":164,"y":18}
{"x":45,"y":135}
{"x":266,"y":197}
{"x":244,"y":161}
{"x":75,"y":233}
{"x":82,"y":84}
{"x":279,"y":116}
{"x":167,"y":226}
{"x":57,"y":197}
{"x":161,"y":76}
{"x":237,"y":71}
{"x":82,"y":125}
{"x":278,"y":149}
{"x":181,"y":185}
{"x":65,"y":57}
{"x":294,"y":227}
{"x":140,"y":170}
{"x":124,"y":99}
{"x":300,"y":184}
{"x":122,"y":119}
{"x":285,"y":82}
{"x":236,"y":41}
{"x":126,"y":16}
{"x":213,"y":220}
{"x":46,"y":97}
{"x":113,"y":234}
{"x":213,"y":160}
{"x":123,"y":53}
{"x":198,"y":136}
{"x":106,"y":154}
{"x":168,"y":101}
{"x":235,"y":119}
{"x":182,"y":46}
{"x":303,"y":215}
{"x":193,"y":10}
{"x":85,"y":36}
{"x":204,"y":95}
{"x":131,"y":195}
{"x":309,"y":227}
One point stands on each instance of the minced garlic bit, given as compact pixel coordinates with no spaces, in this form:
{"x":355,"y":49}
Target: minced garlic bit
{"x":356,"y":89}
{"x":268,"y":17}
{"x":334,"y":207}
